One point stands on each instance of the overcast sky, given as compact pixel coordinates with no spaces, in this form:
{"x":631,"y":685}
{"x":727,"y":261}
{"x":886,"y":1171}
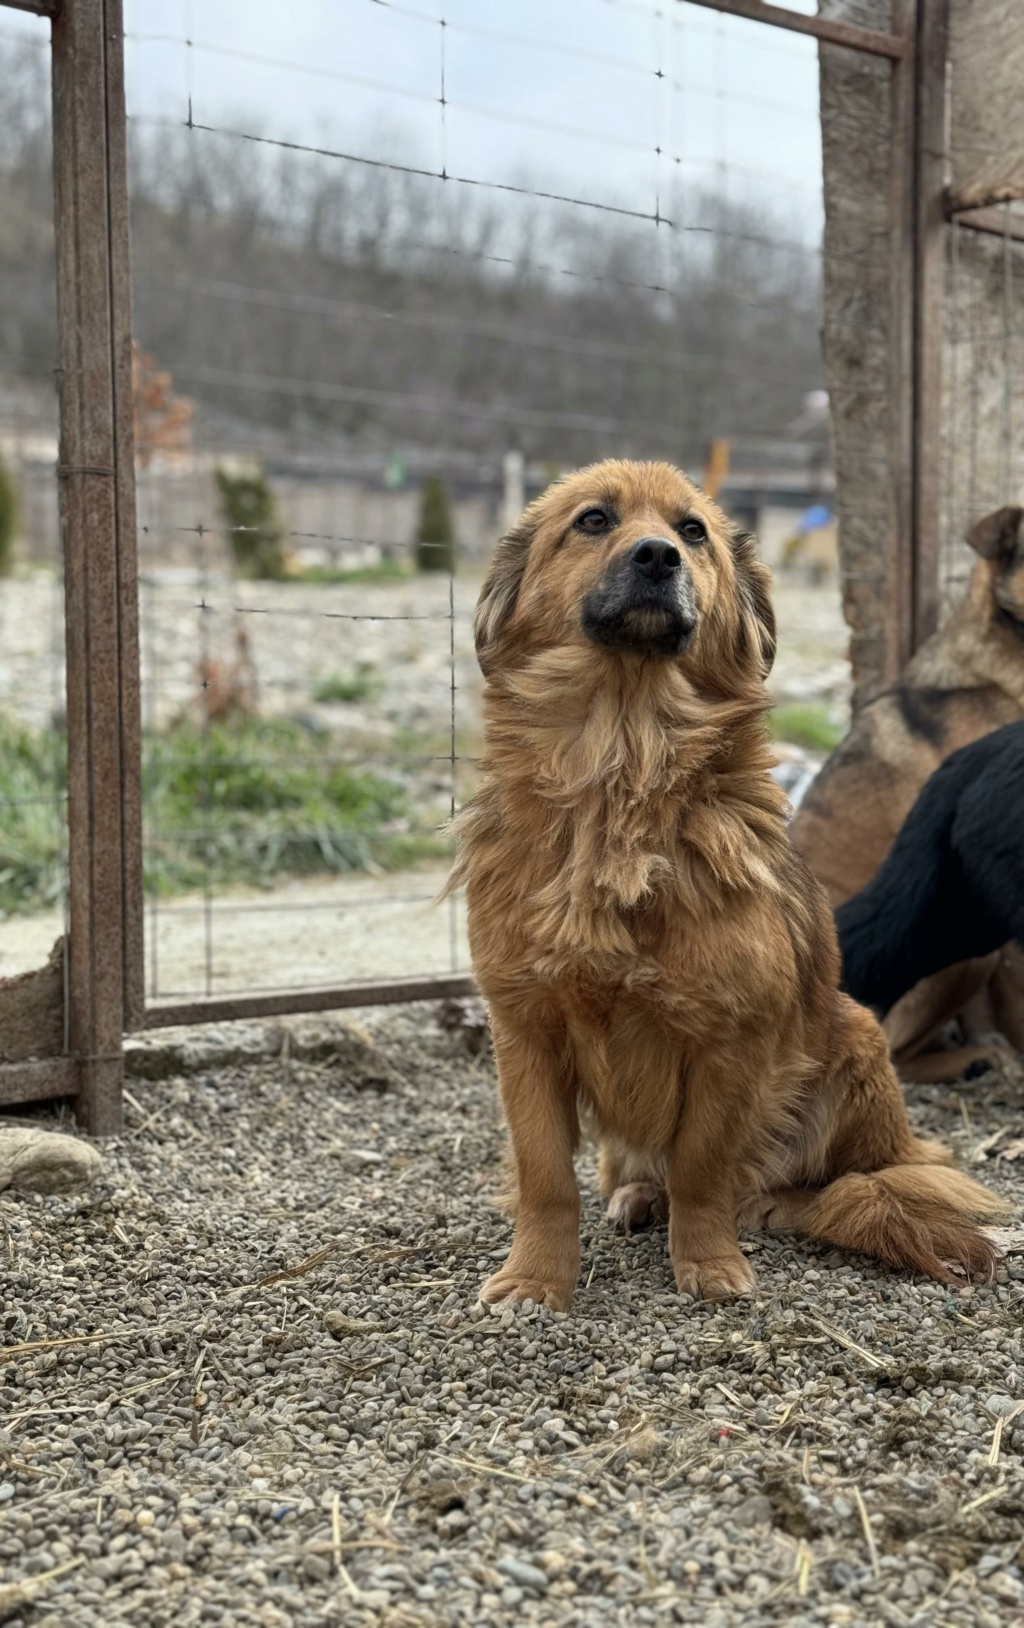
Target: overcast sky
{"x":566,"y":95}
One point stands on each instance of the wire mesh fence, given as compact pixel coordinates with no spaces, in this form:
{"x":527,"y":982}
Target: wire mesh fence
{"x":984,"y":398}
{"x":383,"y":308}
{"x":33,"y":773}
{"x":374,"y":310}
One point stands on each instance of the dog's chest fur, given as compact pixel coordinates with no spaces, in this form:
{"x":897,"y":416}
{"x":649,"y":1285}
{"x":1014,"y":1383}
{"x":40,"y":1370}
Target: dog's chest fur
{"x":621,"y":872}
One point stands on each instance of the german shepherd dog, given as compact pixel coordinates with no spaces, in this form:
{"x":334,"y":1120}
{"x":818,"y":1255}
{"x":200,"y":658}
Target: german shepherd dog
{"x":965,"y":681}
{"x":952,"y":884}
{"x":656,"y":956}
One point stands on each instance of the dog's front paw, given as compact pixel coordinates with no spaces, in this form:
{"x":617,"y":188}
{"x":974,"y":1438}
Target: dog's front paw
{"x":637,"y":1204}
{"x":722,"y":1277}
{"x":510,"y":1288}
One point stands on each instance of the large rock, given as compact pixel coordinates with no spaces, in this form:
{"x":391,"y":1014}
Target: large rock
{"x":38,"y":1161}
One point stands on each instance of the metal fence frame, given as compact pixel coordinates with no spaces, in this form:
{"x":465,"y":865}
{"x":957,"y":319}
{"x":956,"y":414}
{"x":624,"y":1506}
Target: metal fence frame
{"x":105,"y":951}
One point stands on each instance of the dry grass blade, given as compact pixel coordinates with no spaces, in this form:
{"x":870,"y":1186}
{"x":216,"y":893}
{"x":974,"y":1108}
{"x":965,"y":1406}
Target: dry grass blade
{"x":14,"y":1597}
{"x":997,"y":1434}
{"x":802,"y":1567}
{"x":981,"y":1150}
{"x":869,"y":1536}
{"x":401,"y":1487}
{"x":336,"y":1530}
{"x":486,"y":1469}
{"x":56,"y":1344}
{"x":851,"y":1345}
{"x":737,"y":1400}
{"x":346,"y":1577}
{"x":984,"y":1498}
{"x":300,"y":1270}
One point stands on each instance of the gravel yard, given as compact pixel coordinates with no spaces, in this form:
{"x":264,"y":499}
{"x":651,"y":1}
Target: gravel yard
{"x":247,"y":1381}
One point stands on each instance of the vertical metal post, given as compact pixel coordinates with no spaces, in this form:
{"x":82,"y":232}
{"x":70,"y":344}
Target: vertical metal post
{"x":919,"y":160}
{"x":899,"y":621}
{"x":97,"y":505}
{"x":929,"y":302}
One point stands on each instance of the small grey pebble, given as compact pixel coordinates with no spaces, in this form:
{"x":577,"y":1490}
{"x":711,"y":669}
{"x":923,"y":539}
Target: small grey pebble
{"x":756,"y":1511}
{"x":1000,"y":1406}
{"x":523,"y":1575}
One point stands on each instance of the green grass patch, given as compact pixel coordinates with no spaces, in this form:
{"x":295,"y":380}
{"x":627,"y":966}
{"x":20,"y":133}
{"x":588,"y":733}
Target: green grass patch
{"x":250,"y":802}
{"x":808,"y":724}
{"x":360,"y":685}
{"x":325,"y":575}
{"x":33,"y":791}
{"x":247,"y":803}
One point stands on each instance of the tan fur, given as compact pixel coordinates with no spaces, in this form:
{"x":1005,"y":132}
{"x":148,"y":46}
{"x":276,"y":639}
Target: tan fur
{"x":655,"y":955}
{"x":965,"y":680}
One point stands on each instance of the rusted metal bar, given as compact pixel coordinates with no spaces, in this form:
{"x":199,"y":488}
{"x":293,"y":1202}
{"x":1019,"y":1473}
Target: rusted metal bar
{"x":931,"y":54}
{"x":133,"y":903}
{"x":90,"y":236}
{"x":899,"y":623}
{"x":870,"y":40}
{"x":381,"y":992}
{"x":38,"y":1081}
{"x":41,"y":8}
{"x":994,"y":220}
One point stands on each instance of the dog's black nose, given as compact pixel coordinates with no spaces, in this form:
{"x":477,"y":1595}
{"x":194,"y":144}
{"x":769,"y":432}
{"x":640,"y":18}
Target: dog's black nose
{"x":655,"y":557}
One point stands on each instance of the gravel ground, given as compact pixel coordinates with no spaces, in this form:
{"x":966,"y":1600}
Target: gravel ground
{"x":264,"y":1392}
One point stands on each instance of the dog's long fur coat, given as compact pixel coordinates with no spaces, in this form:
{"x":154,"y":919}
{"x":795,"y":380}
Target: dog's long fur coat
{"x":656,"y":956}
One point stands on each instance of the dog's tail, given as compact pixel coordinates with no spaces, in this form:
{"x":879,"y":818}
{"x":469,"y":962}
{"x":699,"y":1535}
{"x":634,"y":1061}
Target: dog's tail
{"x":924,"y":1217}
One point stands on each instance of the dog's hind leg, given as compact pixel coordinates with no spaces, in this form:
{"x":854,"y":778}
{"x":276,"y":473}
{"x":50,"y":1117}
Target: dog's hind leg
{"x":913,"y":1021}
{"x":886,"y":1193}
{"x":1007,"y":991}
{"x":636,"y":1194}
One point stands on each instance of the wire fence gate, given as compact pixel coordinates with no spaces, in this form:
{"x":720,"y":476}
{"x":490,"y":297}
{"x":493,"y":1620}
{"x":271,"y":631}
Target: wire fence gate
{"x":319,"y":374}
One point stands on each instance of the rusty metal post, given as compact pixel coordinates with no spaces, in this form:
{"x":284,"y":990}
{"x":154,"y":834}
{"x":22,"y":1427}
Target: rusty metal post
{"x":899,"y":620}
{"x":918,"y":293}
{"x":932,"y":32}
{"x":97,"y":521}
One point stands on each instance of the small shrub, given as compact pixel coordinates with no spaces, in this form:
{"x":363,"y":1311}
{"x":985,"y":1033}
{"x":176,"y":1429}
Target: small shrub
{"x":8,"y":521}
{"x":256,"y":799}
{"x":808,"y":724}
{"x":250,"y":513}
{"x":362,"y":685}
{"x":435,"y":535}
{"x":245,"y":802}
{"x":33,"y":788}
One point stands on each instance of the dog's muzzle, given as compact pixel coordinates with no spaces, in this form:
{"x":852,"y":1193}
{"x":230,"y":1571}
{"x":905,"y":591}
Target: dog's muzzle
{"x":644,"y":602}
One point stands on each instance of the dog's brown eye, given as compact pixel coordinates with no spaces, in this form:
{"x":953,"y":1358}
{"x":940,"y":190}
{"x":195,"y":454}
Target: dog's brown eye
{"x":593,"y":521}
{"x":692,"y":531}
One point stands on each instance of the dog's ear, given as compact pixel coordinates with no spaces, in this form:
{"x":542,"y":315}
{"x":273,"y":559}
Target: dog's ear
{"x":757,"y":613}
{"x":995,"y":536}
{"x":500,"y":591}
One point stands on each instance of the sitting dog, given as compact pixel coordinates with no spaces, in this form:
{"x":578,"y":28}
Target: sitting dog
{"x":655,"y":955}
{"x":952,"y":885}
{"x":965,"y":681}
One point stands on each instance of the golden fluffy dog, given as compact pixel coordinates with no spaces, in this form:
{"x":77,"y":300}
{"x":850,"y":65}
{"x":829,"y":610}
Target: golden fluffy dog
{"x":656,"y":956}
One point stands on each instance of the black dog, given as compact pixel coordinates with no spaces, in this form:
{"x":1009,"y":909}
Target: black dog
{"x":952,"y":885}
